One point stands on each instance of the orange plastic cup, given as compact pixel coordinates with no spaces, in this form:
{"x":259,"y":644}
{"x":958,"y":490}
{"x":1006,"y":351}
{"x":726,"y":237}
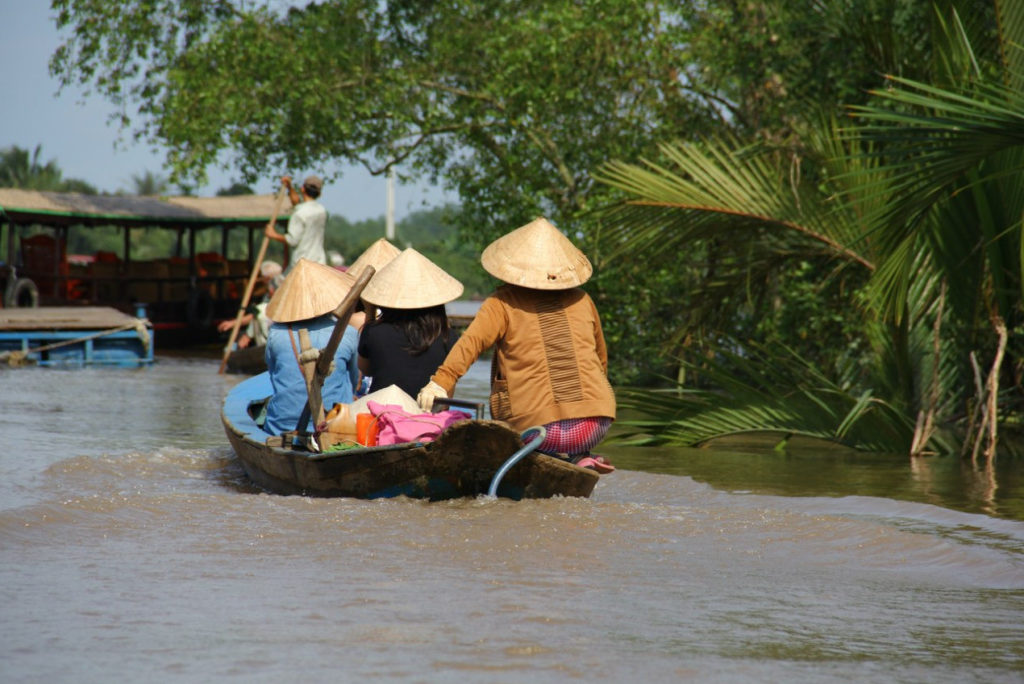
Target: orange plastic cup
{"x":366,"y":429}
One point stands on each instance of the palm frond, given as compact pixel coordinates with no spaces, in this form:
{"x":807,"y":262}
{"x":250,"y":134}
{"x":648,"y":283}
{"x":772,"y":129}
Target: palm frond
{"x":1010,"y":16}
{"x":765,"y":389}
{"x":718,"y":188}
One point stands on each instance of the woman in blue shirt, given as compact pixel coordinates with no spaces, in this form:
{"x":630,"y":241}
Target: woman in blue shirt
{"x":306,"y":299}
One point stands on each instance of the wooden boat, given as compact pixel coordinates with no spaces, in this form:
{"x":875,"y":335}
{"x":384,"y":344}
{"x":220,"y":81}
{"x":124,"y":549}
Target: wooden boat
{"x":248,"y":361}
{"x":74,"y":336}
{"x":186,"y":291}
{"x":461,"y":462}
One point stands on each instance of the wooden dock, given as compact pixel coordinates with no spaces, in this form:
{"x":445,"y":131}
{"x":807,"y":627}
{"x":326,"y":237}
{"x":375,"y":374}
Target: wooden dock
{"x":74,"y":335}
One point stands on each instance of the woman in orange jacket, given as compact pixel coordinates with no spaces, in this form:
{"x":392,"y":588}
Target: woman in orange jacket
{"x":550,"y":362}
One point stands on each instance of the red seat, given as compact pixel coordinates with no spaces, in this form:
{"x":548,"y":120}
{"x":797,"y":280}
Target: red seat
{"x":44,"y":260}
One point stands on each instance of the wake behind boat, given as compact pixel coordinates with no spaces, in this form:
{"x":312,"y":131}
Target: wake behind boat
{"x":461,"y":462}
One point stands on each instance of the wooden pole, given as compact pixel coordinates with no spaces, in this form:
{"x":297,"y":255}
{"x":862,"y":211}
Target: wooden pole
{"x":318,"y":373}
{"x":343,"y":313}
{"x":252,"y":281}
{"x":316,"y":401}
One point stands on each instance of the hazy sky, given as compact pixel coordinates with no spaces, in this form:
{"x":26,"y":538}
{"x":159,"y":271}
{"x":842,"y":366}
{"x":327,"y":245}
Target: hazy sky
{"x":74,"y":133}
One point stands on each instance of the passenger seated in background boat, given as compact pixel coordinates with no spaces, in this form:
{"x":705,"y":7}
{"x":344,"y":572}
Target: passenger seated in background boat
{"x":550,"y":362}
{"x":254,"y":322}
{"x":306,"y":299}
{"x":410,"y":339}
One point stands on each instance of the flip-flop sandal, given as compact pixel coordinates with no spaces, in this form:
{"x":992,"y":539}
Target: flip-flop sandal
{"x":598,"y":464}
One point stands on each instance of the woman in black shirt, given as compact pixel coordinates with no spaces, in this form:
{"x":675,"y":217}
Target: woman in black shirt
{"x":411,"y":338}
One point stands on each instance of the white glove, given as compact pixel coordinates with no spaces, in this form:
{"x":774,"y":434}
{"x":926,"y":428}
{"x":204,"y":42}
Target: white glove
{"x":428,"y":394}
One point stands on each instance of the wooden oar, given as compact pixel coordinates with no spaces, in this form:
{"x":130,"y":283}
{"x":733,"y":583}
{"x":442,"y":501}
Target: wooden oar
{"x":252,"y":280}
{"x":316,"y":375}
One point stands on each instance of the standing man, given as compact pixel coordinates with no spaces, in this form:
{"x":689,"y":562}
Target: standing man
{"x":307,"y":224}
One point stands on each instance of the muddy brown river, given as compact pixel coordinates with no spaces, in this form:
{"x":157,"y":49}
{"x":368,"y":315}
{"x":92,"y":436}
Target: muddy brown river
{"x":132,"y":548}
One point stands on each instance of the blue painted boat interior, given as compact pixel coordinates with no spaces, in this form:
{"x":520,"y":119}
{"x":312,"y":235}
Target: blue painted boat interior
{"x":236,"y":405}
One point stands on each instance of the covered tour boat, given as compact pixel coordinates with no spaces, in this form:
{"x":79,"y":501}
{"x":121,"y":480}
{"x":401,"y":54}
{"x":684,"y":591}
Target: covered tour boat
{"x":186,"y":259}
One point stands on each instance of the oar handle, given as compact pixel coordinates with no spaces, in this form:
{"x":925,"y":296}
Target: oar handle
{"x":252,"y":280}
{"x":315,"y":384}
{"x":343,"y":313}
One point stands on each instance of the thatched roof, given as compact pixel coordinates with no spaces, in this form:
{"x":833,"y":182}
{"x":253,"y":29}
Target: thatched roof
{"x":26,"y":207}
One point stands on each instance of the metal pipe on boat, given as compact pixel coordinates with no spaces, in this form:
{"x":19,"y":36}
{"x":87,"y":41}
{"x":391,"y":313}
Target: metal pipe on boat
{"x":528,"y":448}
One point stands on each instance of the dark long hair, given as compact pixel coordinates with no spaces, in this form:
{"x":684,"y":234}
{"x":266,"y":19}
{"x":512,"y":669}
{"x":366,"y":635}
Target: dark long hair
{"x":421,"y":326}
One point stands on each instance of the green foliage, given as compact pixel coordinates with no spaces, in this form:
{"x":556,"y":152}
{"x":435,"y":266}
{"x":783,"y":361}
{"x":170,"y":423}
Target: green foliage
{"x":510,"y":105}
{"x":432,"y":233}
{"x":752,"y":216}
{"x":761,"y":58}
{"x":20,"y":170}
{"x":97,"y":238}
{"x":236,"y":188}
{"x":921,"y":205}
{"x":350,"y":239}
{"x":149,"y":184}
{"x":767,"y":389}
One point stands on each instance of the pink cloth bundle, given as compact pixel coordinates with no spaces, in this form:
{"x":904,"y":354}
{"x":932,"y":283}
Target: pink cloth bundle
{"x":397,"y":426}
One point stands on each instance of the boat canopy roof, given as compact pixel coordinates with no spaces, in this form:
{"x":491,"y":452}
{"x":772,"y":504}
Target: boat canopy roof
{"x":33,"y":207}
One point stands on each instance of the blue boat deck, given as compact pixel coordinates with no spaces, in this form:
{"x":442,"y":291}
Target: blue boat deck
{"x":76,"y":336}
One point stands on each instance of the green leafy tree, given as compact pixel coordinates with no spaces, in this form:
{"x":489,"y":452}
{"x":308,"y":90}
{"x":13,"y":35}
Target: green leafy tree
{"x":351,"y":238}
{"x":921,"y":203}
{"x":236,"y":188}
{"x":763,"y":61}
{"x":433,"y":233}
{"x":149,"y":184}
{"x":510,"y":105}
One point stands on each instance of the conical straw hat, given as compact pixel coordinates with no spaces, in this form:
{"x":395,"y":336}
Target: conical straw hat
{"x":308,"y":291}
{"x":411,"y":281}
{"x":537,"y":256}
{"x":377,"y":255}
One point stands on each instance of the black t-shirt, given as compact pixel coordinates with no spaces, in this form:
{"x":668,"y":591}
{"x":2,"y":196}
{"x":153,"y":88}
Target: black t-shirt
{"x":383,"y":344}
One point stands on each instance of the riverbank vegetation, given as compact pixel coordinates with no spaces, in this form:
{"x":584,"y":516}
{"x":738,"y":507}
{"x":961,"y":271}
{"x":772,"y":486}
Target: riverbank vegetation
{"x":804,"y":217}
{"x":914,"y":204}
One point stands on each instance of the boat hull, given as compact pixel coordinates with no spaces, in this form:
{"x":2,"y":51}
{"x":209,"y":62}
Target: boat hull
{"x":75,"y":337}
{"x":248,"y":361}
{"x":461,"y":462}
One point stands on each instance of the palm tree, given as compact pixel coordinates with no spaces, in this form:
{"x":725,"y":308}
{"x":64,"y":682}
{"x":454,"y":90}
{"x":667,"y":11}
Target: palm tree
{"x":149,"y":184}
{"x":956,"y":155}
{"x":923,"y":198}
{"x":19,"y":170}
